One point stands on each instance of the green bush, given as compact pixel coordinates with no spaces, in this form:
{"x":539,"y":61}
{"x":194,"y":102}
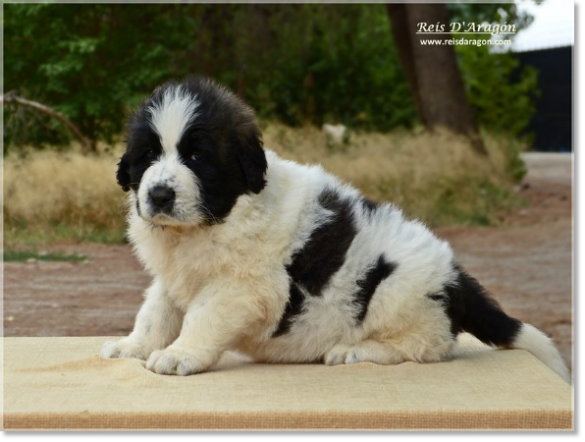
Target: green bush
{"x":296,"y":63}
{"x":90,"y":62}
{"x":344,"y":69}
{"x":500,"y":104}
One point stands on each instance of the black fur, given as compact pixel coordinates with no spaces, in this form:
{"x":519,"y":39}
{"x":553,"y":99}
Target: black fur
{"x":254,"y":165}
{"x":471,"y":309}
{"x":123,"y":174}
{"x":381,"y":270}
{"x":293,"y":308}
{"x":222,"y":147}
{"x":143,"y":147}
{"x":321,"y":257}
{"x":324,"y":252}
{"x":369,"y":206}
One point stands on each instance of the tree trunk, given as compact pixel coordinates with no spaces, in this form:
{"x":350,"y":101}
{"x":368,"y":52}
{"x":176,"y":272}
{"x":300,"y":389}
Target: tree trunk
{"x":403,"y":42}
{"x":432,"y":72}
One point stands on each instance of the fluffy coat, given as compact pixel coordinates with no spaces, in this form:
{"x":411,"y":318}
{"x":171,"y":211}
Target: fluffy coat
{"x":281,"y":261}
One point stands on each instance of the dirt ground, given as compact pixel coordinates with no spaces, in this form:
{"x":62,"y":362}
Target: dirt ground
{"x":526,"y":263}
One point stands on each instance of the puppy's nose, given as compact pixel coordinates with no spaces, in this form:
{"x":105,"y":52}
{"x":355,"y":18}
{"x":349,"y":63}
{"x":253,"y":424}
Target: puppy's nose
{"x":162,"y":197}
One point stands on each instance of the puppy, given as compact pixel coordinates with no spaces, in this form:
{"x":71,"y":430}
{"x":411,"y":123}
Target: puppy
{"x":281,"y":261}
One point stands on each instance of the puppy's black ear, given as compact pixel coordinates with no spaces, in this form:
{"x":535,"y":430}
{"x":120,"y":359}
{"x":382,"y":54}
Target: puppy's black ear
{"x":253,"y":161}
{"x":123,"y":174}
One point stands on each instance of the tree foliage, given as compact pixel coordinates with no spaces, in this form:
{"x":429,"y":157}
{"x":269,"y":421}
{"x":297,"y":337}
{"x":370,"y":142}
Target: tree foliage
{"x":90,"y":62}
{"x":298,"y":63}
{"x":502,"y":93}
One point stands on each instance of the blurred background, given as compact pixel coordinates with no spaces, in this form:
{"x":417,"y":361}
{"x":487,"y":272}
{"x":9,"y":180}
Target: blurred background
{"x":73,"y":73}
{"x":296,"y":64}
{"x":442,"y":130}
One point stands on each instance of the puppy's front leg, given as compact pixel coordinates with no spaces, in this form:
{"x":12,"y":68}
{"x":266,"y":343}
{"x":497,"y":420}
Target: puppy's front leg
{"x":216,"y":318}
{"x":157,"y":325}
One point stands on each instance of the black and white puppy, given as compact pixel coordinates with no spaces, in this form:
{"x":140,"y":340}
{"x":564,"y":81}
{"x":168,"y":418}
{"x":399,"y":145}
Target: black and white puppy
{"x":278,"y":260}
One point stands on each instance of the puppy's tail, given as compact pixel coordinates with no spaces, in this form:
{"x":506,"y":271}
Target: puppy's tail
{"x":473,"y":310}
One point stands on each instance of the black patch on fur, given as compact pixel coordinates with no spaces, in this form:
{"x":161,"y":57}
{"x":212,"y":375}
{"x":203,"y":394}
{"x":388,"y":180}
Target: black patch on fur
{"x":381,"y":270}
{"x":321,"y":257}
{"x":369,"y":206}
{"x":226,"y":139}
{"x":123,"y":174}
{"x":254,"y":165}
{"x":293,"y":308}
{"x":324,"y":252}
{"x":143,"y":148}
{"x":472,"y":309}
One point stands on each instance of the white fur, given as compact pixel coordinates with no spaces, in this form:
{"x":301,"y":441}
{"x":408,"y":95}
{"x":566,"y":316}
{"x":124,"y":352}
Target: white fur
{"x":169,"y":171}
{"x":229,"y":283}
{"x":169,"y":120}
{"x":170,"y":117}
{"x":540,"y":345}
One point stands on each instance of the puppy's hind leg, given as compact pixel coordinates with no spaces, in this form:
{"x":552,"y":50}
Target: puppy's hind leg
{"x":389,"y":352}
{"x":365,"y":351}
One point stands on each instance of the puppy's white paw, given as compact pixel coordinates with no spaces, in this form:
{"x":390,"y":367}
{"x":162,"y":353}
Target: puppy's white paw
{"x":174,"y":361}
{"x":124,"y":348}
{"x":343,"y":354}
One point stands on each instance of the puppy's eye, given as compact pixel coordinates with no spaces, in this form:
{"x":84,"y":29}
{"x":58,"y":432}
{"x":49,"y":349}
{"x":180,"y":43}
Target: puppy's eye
{"x":194,"y":157}
{"x":149,"y":154}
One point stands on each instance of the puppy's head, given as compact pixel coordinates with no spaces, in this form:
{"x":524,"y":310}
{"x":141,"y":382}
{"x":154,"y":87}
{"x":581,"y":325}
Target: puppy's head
{"x":193,"y":149}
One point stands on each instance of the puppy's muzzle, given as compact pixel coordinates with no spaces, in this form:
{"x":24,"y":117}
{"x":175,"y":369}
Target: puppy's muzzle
{"x":162,"y":199}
